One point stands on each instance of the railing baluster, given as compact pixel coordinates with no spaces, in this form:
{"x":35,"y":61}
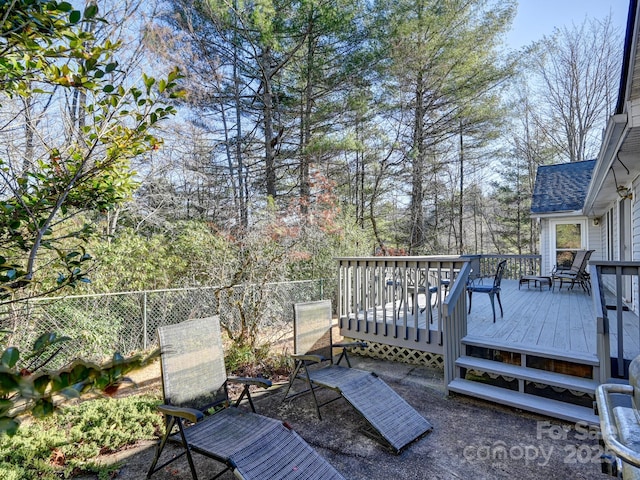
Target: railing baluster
{"x":619,"y":323}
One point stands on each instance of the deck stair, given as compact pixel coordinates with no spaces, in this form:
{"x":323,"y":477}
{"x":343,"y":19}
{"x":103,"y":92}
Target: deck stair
{"x":549,"y":382}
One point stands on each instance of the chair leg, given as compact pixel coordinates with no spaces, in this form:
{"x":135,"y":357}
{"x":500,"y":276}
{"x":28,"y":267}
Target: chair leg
{"x":493,"y":307}
{"x":160,"y":447}
{"x":292,"y":379}
{"x":245,"y":393}
{"x":500,"y":303}
{"x":186,"y":445}
{"x":470,"y":292}
{"x":313,"y":391}
{"x":301,"y":365}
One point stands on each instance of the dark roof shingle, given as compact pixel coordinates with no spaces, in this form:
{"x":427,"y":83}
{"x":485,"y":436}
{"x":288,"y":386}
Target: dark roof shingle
{"x":561,"y":187}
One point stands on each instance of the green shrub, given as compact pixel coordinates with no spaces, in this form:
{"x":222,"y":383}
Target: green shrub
{"x":68,"y":442}
{"x":239,"y":357}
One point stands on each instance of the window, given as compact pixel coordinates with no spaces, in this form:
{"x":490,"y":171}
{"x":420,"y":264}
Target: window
{"x":568,"y":240}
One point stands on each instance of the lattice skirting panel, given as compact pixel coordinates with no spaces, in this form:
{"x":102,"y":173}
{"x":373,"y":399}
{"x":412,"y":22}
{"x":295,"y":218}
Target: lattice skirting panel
{"x":399,"y":354}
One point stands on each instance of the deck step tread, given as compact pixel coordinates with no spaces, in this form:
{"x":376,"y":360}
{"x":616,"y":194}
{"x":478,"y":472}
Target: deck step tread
{"x":586,"y":385}
{"x":574,"y":357}
{"x":524,"y":401}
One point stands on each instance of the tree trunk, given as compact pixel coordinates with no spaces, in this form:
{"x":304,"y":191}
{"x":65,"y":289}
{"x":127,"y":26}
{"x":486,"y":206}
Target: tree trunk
{"x":417,"y":190}
{"x":269,"y":137}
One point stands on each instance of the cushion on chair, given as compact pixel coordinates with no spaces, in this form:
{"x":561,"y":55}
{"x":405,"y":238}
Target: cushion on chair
{"x":481,"y":288}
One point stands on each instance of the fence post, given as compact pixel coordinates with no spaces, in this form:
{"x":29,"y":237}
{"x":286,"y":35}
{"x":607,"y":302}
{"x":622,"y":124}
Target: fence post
{"x":144,"y":320}
{"x":321,"y":288}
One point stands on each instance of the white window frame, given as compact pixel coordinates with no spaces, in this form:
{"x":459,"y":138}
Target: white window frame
{"x":584,"y":237}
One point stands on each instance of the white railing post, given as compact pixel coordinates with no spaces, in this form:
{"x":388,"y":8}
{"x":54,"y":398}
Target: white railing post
{"x":603,"y":349}
{"x":455,"y":323}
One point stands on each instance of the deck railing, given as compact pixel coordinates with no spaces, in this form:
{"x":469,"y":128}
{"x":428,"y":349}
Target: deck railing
{"x":397,"y":300}
{"x":454,"y":321}
{"x":626,"y":282}
{"x":517,"y":265}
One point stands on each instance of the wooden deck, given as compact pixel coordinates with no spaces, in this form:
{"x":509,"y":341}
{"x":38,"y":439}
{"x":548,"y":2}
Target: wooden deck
{"x":560,"y":321}
{"x":548,"y":320}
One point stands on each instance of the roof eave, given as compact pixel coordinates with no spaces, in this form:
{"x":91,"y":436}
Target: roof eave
{"x":617,"y":128}
{"x":565,"y":213}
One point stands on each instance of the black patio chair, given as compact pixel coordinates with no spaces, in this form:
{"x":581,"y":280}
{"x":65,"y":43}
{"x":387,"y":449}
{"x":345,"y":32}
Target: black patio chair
{"x":390,"y":418}
{"x":493,"y":290}
{"x":418,"y":285}
{"x":194,"y":381}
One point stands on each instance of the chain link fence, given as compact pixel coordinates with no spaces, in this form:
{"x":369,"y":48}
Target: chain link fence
{"x":100,"y":325}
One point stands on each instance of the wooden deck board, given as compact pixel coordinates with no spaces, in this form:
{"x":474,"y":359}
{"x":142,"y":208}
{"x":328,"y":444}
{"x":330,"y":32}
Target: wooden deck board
{"x":559,"y":320}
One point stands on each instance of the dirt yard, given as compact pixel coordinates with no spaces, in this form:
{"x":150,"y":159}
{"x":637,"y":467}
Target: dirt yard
{"x":471,"y":438}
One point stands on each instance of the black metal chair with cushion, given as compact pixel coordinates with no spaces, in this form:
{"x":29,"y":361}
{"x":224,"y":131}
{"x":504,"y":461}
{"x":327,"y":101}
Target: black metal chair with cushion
{"x":493,"y":290}
{"x":194,"y":381}
{"x":390,"y":418}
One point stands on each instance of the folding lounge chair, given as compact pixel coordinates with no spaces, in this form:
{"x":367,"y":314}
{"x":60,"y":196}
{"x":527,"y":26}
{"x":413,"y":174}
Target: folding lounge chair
{"x":577,"y":273}
{"x":618,"y":406}
{"x":251,"y":445}
{"x":390,"y":418}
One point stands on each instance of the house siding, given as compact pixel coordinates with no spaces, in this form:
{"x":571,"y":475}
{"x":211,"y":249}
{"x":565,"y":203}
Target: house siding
{"x":546,"y":266}
{"x":635,"y":239}
{"x":594,"y":240}
{"x":608,"y":280}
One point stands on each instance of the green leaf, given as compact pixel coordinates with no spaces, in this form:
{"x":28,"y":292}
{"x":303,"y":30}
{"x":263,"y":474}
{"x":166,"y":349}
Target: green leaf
{"x":91,"y":11}
{"x":65,"y":7}
{"x":8,"y":382}
{"x":8,"y":426}
{"x":48,"y":339}
{"x":5,"y":406}
{"x":73,"y":391}
{"x":10,"y":357}
{"x":42,"y":408}
{"x":75,"y":16}
{"x":41,"y":383}
{"x":148,"y":81}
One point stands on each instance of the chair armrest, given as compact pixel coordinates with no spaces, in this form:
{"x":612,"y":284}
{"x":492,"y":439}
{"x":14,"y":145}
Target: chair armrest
{"x":350,"y":344}
{"x":474,"y":282}
{"x":308,"y":358}
{"x":190,"y":414}
{"x":566,"y":273}
{"x":608,"y":426}
{"x":261,"y":382}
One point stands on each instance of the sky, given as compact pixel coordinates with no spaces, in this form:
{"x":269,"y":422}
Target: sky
{"x":536,"y":18}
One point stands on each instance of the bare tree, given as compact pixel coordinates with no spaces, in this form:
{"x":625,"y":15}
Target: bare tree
{"x":578,"y":70}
